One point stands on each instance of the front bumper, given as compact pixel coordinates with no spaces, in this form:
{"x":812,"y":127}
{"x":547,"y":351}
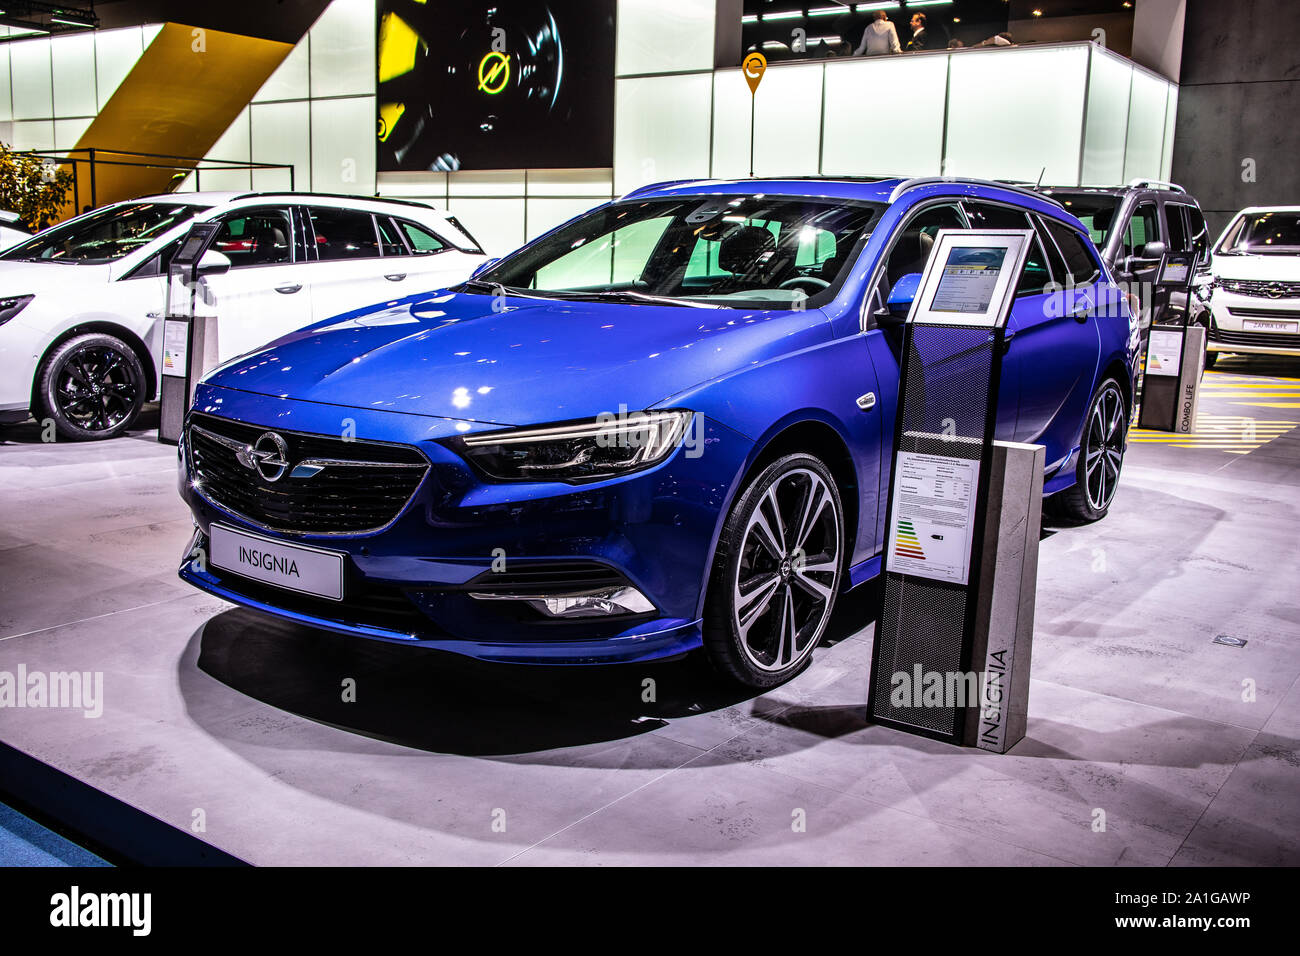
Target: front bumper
{"x":412,"y":581}
{"x":1229,"y":314}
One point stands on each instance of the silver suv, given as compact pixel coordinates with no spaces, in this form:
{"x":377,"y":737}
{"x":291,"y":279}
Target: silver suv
{"x":1134,"y":226}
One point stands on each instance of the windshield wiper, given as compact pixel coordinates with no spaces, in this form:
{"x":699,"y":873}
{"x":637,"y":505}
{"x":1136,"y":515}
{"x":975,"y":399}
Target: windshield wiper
{"x":627,"y":295}
{"x":496,"y":288}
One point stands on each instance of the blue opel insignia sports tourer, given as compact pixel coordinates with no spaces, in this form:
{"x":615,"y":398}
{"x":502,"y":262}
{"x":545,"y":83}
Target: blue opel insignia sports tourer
{"x":664,"y":425}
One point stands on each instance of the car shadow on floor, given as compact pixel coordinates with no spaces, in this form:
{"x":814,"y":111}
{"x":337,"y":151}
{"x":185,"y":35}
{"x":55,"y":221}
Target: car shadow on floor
{"x":441,"y":702}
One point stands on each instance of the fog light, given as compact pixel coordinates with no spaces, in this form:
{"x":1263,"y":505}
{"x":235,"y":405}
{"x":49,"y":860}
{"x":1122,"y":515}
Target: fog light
{"x":606,"y":603}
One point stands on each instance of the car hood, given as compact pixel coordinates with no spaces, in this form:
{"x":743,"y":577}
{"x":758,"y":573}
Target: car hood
{"x":26,"y":278}
{"x":1277,"y":268}
{"x":515,"y":361}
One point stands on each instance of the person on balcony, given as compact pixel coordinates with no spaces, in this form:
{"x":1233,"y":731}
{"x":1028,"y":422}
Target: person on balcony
{"x":879,"y":37}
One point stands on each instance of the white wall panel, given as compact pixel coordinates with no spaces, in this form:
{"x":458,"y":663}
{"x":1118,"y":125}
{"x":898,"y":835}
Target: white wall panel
{"x":234,"y":144}
{"x":33,"y":134}
{"x":343,"y":145}
{"x":1013,"y":112}
{"x":498,"y":224}
{"x":1107,"y":121}
{"x":859,"y":140}
{"x":1146,"y":126}
{"x":73,"y":60}
{"x":597,"y":183}
{"x":6,"y":93}
{"x":732,"y":125}
{"x":281,"y":134}
{"x":343,"y":50}
{"x":116,"y":51}
{"x":68,"y":131}
{"x":787,"y":120}
{"x":29,"y":65}
{"x":661,"y":129}
{"x":664,"y":36}
{"x":478,"y":183}
{"x":545,"y":214}
{"x":1171,"y":119}
{"x":291,"y":80}
{"x":428,"y":187}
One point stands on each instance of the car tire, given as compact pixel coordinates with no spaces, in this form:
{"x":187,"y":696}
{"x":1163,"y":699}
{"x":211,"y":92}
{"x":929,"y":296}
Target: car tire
{"x":1101,"y":457}
{"x":92,"y":386}
{"x":776,"y":573}
{"x":1210,"y":359}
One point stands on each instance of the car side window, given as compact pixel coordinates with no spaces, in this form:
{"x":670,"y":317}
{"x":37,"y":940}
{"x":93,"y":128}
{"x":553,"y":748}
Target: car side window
{"x":422,"y":241}
{"x":1176,"y":224}
{"x":1036,"y":275}
{"x":256,"y":237}
{"x":1198,"y":234}
{"x":1054,"y":260}
{"x":1143,"y":227}
{"x":344,"y":233}
{"x":390,"y":242}
{"x":1081,"y":267}
{"x":158,"y":263}
{"x":915,"y":241}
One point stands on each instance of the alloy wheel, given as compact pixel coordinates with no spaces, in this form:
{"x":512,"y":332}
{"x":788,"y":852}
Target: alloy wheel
{"x":95,"y":389}
{"x":1105,"y":448}
{"x":788,"y":571}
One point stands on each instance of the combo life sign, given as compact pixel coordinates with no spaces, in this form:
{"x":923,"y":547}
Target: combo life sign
{"x":951,"y":657}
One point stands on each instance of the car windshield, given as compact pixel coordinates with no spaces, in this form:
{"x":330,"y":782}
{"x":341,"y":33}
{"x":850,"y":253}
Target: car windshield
{"x":727,"y":251}
{"x":104,"y":235}
{"x":1095,"y":211}
{"x":1264,"y":234}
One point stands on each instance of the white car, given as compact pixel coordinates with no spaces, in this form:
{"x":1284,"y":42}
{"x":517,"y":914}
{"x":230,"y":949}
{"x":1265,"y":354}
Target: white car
{"x":81,"y":303}
{"x":1251,"y":299}
{"x":12,"y":230}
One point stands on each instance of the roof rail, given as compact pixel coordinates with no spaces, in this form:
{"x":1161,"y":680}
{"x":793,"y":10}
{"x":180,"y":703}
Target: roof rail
{"x":1158,"y":183}
{"x":304,"y":196}
{"x":968,"y":180}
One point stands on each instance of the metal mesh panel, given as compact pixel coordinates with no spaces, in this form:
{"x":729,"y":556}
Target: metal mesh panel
{"x":945,"y":404}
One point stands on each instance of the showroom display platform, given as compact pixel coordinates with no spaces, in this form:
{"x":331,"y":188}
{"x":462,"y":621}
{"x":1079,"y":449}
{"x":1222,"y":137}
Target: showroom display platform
{"x":217,"y":713}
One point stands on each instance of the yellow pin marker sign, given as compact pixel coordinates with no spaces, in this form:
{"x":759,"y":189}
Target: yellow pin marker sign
{"x":754,"y":67}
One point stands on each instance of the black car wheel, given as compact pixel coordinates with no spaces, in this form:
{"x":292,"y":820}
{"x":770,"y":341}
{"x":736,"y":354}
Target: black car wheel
{"x":1101,"y":456}
{"x":776,"y":574}
{"x":92,"y":386}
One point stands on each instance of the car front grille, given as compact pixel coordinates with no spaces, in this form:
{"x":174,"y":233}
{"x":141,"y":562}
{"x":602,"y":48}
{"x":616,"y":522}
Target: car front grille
{"x":1266,"y":288}
{"x":327,"y":485}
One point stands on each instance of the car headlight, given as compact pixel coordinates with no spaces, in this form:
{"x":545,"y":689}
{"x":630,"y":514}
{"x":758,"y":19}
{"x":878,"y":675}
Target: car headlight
{"x":581,"y":451}
{"x":12,"y":305}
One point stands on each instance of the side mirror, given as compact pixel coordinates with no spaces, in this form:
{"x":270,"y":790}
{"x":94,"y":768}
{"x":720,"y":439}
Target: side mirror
{"x":1153,"y":250}
{"x":900,"y":300}
{"x":486,"y":264}
{"x":213,"y":263}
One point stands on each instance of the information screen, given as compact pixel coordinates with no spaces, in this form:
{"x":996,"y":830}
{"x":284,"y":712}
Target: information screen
{"x":969,"y":279}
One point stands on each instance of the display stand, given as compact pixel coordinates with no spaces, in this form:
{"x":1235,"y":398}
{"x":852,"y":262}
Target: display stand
{"x":1174,"y":360}
{"x":189,"y":333}
{"x":957,"y":559}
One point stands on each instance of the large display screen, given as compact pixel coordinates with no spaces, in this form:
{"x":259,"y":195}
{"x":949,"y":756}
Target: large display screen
{"x":513,"y":84}
{"x":969,"y":278}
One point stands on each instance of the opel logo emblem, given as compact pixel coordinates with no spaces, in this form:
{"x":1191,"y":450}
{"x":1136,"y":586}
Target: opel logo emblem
{"x":1275,"y":291}
{"x":268,"y":456}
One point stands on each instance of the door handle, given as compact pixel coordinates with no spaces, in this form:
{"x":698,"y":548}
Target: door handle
{"x":1007,"y":336}
{"x":288,"y":289}
{"x":396,"y":277}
